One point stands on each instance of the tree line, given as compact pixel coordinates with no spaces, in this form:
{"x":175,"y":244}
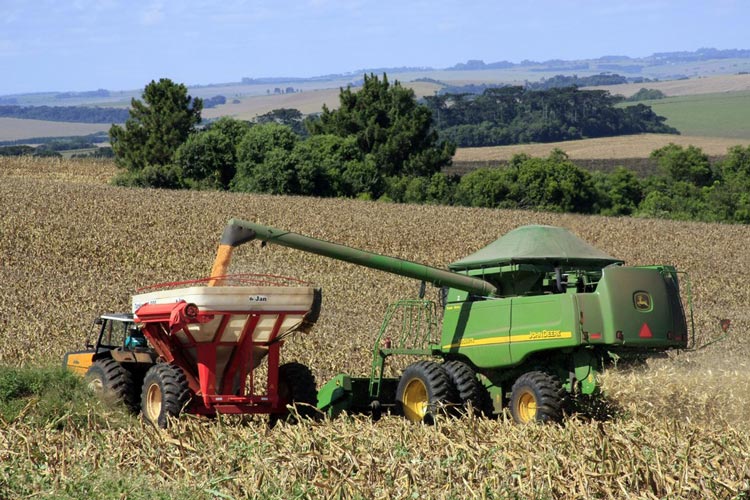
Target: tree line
{"x":685,"y":187}
{"x":77,"y":114}
{"x":515,"y":115}
{"x":382,"y":144}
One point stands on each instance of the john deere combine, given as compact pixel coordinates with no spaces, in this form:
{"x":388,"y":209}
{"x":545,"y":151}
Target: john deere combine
{"x":526,"y":320}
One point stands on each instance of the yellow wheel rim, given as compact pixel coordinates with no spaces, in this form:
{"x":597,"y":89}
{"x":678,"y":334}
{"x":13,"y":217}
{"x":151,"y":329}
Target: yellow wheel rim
{"x":153,"y":403}
{"x":415,"y":400}
{"x":527,"y":406}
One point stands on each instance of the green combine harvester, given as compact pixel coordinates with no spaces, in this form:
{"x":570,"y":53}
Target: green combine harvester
{"x":526,"y":321}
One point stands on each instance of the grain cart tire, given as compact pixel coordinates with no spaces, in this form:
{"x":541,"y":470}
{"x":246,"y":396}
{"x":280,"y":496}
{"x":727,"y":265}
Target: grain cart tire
{"x":470,"y":390}
{"x":423,"y":389}
{"x":112,"y":383}
{"x":297,"y":388}
{"x":537,"y":397}
{"x":165,"y":394}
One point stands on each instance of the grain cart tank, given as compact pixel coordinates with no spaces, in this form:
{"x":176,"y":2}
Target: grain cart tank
{"x":525,"y":321}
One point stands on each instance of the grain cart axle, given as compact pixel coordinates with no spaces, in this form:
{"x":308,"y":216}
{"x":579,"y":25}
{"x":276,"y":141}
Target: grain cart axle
{"x":526,"y":321}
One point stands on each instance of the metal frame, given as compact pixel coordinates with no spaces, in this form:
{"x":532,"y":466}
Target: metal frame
{"x":418,"y":324}
{"x":163,"y":321}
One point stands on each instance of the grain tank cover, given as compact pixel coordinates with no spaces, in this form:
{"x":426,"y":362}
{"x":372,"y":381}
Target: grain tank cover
{"x":536,"y":244}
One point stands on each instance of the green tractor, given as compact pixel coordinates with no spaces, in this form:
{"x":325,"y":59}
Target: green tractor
{"x":526,"y":321}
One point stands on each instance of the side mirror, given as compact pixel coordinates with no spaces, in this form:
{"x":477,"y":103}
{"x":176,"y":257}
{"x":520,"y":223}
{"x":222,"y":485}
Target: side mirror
{"x":422,"y":288}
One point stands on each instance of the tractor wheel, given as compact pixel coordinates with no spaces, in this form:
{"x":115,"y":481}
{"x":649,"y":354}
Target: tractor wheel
{"x":297,"y":388}
{"x":165,"y":393}
{"x":537,"y":397}
{"x":422,"y":389}
{"x":112,"y":383}
{"x":470,"y":390}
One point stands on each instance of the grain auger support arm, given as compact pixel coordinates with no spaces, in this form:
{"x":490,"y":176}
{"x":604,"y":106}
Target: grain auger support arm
{"x":239,"y":231}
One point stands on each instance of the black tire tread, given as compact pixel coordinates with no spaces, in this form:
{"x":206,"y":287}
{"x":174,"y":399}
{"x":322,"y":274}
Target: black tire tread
{"x":440,"y":388}
{"x":299,"y":381}
{"x":552,"y":396}
{"x":174,"y":388}
{"x":470,"y":390}
{"x":118,"y":383}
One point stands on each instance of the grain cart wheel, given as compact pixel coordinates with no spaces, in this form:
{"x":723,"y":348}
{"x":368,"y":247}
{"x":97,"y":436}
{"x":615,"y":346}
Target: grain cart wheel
{"x":470,"y":390}
{"x":165,"y":393}
{"x":536,"y":397}
{"x":422,"y":389}
{"x":112,"y":383}
{"x":297,"y":388}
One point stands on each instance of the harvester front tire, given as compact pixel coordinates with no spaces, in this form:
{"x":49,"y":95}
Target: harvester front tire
{"x":296,"y":387}
{"x":165,"y":394}
{"x":423,"y":389}
{"x":537,"y":397}
{"x":470,"y":390}
{"x":112,"y":383}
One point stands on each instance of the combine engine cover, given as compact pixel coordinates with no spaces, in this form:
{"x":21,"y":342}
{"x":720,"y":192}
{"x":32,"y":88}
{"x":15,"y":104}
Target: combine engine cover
{"x":635,"y":307}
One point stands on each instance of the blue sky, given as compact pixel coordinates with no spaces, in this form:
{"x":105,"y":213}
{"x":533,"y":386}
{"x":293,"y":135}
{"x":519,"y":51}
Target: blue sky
{"x":119,"y":44}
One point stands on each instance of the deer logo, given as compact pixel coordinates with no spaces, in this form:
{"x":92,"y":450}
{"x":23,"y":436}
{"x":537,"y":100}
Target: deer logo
{"x":642,"y":301}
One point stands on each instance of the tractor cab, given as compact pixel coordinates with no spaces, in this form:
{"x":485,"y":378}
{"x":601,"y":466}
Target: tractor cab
{"x":118,"y":337}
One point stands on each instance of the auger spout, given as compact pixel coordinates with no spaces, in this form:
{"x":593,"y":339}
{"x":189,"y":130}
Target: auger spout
{"x":239,"y":231}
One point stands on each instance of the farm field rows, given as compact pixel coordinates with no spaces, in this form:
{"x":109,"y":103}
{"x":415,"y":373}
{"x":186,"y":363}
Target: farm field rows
{"x":72,"y":247}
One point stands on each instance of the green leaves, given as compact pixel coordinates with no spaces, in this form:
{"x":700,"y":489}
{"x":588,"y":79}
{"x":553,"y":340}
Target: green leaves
{"x":389,"y":126}
{"x":157,"y":126}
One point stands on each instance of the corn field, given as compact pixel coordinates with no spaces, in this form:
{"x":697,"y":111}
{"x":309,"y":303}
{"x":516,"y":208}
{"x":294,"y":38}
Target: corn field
{"x":73,"y":247}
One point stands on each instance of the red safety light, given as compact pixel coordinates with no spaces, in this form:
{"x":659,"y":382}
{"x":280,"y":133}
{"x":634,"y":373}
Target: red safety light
{"x":645,"y":332}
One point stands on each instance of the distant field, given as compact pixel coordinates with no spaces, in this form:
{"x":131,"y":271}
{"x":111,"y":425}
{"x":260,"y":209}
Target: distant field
{"x":307,"y":102}
{"x":718,"y":115}
{"x":13,"y":129}
{"x":629,"y":146}
{"x":704,"y":85}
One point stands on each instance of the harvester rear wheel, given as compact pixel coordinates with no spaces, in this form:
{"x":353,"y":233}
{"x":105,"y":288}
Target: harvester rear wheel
{"x":423,"y":388}
{"x":470,"y":390}
{"x":537,"y":397}
{"x":112,"y":383}
{"x":297,"y":388}
{"x":165,"y":393}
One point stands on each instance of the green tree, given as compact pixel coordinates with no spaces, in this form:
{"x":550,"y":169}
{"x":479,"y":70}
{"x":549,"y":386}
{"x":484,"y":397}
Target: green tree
{"x":689,"y":164}
{"x":487,"y":187}
{"x":322,"y":162}
{"x":156,"y":126}
{"x":265,"y":151}
{"x":391,"y":129}
{"x":620,"y":192}
{"x":731,"y":196}
{"x":555,"y":184}
{"x":208,"y":158}
{"x":290,"y":117}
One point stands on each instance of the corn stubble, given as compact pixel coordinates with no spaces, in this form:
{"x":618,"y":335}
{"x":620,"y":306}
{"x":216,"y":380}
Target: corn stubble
{"x":73,"y":247}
